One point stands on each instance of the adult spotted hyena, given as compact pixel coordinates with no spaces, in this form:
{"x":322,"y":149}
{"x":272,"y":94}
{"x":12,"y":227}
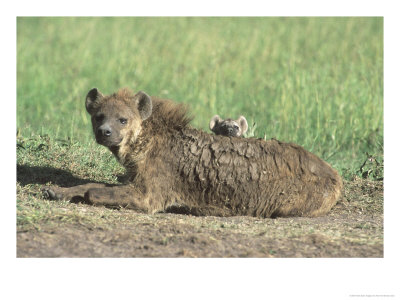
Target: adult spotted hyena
{"x":174,"y":167}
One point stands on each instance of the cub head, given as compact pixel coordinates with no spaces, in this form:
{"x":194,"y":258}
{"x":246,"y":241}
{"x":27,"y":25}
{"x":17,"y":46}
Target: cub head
{"x":228,"y":127}
{"x":117,"y":116}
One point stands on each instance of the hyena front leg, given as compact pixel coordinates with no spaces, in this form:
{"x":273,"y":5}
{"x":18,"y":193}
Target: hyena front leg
{"x":120,"y":196}
{"x":73,"y":194}
{"x":103,"y":195}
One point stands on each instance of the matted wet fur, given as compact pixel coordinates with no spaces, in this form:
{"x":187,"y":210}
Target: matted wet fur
{"x":173,"y":167}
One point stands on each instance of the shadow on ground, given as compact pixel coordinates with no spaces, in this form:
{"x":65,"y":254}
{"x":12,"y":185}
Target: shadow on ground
{"x":43,"y":175}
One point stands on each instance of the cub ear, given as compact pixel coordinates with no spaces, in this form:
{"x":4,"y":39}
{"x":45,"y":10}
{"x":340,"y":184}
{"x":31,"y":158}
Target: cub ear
{"x":214,"y":121}
{"x":144,"y":104}
{"x":243,"y":124}
{"x":94,"y":96}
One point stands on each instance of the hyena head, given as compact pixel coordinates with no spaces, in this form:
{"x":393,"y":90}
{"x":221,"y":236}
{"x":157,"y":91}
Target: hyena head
{"x":228,"y":127}
{"x":117,"y":116}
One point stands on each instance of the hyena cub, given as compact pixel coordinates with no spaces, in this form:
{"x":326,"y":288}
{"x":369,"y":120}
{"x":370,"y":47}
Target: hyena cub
{"x":228,"y":127}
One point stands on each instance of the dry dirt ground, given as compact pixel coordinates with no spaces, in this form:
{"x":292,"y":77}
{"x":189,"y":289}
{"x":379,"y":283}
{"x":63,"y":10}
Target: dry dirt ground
{"x":354,"y":228}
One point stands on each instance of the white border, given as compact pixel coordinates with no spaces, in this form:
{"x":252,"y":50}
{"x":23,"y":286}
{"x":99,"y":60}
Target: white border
{"x":199,"y":278}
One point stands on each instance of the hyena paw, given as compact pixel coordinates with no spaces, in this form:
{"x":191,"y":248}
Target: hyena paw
{"x":51,"y":193}
{"x":178,"y":208}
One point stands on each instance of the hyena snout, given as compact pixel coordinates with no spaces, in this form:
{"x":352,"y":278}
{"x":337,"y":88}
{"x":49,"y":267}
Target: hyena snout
{"x":104,"y":131}
{"x":231,"y":131}
{"x":107,"y":135}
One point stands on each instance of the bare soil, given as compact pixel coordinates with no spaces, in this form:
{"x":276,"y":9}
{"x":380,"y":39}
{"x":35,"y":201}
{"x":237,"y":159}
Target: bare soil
{"x":354,"y":228}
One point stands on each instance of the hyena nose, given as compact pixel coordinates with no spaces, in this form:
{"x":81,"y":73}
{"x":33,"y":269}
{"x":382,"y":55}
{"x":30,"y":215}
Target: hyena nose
{"x":105,"y":130}
{"x":230,"y":130}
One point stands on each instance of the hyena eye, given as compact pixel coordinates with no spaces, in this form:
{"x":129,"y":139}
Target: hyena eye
{"x":99,"y":118}
{"x":123,"y":121}
{"x":236,"y":127}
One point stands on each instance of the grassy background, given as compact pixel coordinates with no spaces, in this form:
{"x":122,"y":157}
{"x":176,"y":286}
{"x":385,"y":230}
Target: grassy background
{"x":317,"y":82}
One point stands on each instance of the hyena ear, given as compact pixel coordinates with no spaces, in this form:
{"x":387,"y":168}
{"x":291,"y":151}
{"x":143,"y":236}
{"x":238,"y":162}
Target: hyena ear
{"x":94,"y":96}
{"x":144,"y":104}
{"x":243,"y":124}
{"x":214,"y":121}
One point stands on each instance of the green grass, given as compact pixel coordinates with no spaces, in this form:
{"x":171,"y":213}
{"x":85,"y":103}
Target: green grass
{"x":317,"y":82}
{"x":41,"y":161}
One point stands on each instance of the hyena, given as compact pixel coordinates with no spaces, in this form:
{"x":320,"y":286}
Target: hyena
{"x":228,"y":127}
{"x":176,"y":168}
